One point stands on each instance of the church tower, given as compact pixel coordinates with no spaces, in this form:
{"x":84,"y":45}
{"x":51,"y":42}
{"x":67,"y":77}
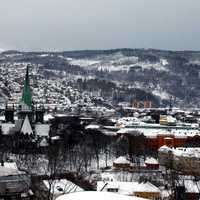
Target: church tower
{"x":25,"y":106}
{"x":27,"y":96}
{"x":30,"y":119}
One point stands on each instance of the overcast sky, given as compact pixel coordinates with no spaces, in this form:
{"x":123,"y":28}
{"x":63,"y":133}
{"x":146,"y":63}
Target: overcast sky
{"x":99,"y":24}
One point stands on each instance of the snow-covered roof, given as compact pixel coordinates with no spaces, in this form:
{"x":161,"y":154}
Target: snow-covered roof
{"x":91,"y":195}
{"x":151,"y":160}
{"x":43,"y":143}
{"x":182,"y":151}
{"x":164,"y":148}
{"x":154,"y":132}
{"x":6,"y":171}
{"x":121,"y":160}
{"x":47,"y":117}
{"x":129,"y":130}
{"x":62,"y":186}
{"x":10,"y":165}
{"x":42,"y":129}
{"x":61,"y":115}
{"x":92,"y":126}
{"x":127,"y":188}
{"x":2,"y":118}
{"x":186,"y":152}
{"x":6,"y":127}
{"x":57,"y":137}
{"x":26,"y":127}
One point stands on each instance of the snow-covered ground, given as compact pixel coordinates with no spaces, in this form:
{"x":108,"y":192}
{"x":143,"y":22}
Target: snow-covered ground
{"x":161,"y":93}
{"x":91,"y":195}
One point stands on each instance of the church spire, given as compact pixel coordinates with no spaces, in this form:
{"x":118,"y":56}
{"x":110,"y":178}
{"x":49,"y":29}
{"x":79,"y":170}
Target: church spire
{"x":26,"y":96}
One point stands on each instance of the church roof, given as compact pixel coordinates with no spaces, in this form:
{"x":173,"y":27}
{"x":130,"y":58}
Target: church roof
{"x":27,"y":96}
{"x":26,"y":127}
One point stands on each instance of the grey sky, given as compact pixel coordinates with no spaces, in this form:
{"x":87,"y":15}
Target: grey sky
{"x":99,"y":24}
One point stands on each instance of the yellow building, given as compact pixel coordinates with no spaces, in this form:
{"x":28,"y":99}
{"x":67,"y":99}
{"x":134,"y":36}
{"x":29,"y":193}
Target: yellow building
{"x":148,"y":195}
{"x":167,"y":120}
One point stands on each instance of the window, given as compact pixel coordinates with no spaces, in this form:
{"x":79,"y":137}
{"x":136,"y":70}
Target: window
{"x":112,"y":190}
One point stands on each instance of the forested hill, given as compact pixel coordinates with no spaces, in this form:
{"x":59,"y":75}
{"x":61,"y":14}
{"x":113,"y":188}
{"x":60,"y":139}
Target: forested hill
{"x":123,"y":74}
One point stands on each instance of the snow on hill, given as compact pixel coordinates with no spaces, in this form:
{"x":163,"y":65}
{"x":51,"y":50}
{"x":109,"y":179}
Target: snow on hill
{"x":160,"y":93}
{"x":117,"y":62}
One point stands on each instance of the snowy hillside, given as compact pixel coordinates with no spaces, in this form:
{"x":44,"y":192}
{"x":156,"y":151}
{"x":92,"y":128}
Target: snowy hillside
{"x":117,"y":75}
{"x":117,"y":62}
